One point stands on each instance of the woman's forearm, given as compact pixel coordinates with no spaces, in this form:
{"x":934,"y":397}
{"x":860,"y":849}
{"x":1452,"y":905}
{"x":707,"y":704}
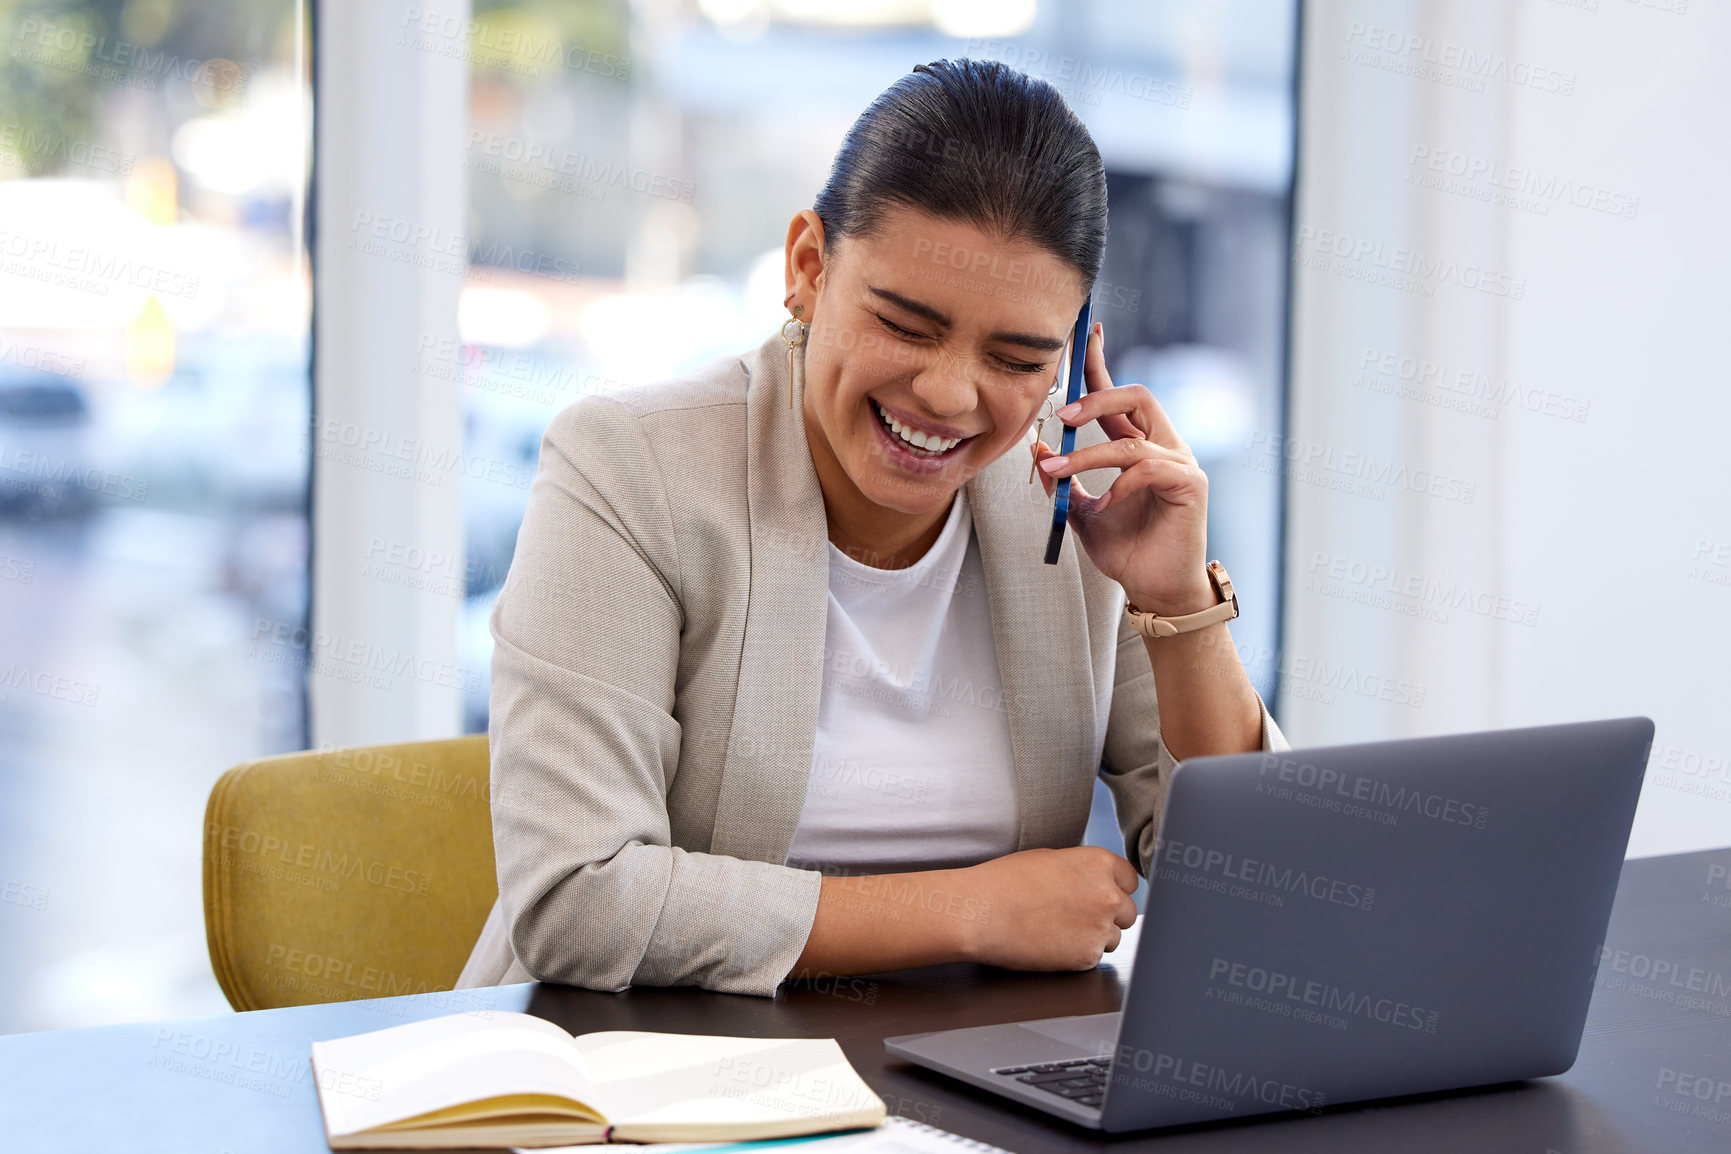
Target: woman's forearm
{"x":1037,"y":909}
{"x":866,"y":925}
{"x":1207,"y":704}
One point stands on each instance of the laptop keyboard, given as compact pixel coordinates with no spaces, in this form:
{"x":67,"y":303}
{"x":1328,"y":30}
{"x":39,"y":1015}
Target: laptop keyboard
{"x":1082,"y":1080}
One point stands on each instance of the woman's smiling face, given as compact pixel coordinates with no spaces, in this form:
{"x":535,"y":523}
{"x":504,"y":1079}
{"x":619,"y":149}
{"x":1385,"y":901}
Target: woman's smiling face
{"x":934,"y":326}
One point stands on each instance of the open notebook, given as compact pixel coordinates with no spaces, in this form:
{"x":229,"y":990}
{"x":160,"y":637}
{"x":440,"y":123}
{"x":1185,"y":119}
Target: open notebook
{"x":495,"y":1078}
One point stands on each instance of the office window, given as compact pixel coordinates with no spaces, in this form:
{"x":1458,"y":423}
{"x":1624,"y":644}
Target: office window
{"x":633,"y":168}
{"x":153,"y":476}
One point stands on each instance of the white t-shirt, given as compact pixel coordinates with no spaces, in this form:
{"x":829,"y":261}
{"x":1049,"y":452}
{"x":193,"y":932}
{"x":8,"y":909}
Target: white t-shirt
{"x":912,"y":767}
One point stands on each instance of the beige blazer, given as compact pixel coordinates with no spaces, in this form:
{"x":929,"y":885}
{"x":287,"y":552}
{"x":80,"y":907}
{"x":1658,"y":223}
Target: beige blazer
{"x":659,"y":646}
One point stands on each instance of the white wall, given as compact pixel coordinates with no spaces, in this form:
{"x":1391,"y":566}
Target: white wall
{"x":389,"y":258}
{"x":1595,"y":553}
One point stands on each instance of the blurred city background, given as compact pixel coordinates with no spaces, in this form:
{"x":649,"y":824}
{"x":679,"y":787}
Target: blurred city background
{"x":632,"y":168}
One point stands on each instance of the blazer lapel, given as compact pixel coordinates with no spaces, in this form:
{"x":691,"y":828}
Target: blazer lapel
{"x":769,"y":751}
{"x":1039,"y":627}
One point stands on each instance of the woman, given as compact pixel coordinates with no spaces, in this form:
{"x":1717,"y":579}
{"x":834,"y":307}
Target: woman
{"x":782,"y":686}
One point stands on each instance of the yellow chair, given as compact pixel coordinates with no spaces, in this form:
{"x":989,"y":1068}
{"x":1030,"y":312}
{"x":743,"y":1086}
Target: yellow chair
{"x":347,"y":873}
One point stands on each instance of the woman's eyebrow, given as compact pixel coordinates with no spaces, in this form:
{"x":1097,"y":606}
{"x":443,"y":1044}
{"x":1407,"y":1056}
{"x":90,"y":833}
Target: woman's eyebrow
{"x":921,"y":309}
{"x":918,"y":308}
{"x":1029,"y":340}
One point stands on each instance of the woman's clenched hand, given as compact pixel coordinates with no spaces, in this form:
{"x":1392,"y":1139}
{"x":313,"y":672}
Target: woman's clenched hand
{"x":1049,"y":909}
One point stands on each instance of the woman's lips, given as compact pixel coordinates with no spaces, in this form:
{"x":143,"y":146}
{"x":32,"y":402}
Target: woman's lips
{"x":905,"y":457}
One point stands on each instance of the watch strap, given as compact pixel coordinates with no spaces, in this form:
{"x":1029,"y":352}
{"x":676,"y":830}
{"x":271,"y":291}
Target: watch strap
{"x":1153,"y":625}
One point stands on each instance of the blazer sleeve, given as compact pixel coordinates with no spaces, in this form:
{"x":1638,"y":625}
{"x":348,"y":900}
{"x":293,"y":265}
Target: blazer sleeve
{"x":585,"y":744}
{"x":1136,"y":765}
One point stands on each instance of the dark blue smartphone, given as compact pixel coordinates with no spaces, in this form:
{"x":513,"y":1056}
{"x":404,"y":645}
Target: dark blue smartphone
{"x":1061,"y":494}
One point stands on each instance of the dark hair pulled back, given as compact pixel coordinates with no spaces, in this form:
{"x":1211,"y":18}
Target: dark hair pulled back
{"x":975,"y":141}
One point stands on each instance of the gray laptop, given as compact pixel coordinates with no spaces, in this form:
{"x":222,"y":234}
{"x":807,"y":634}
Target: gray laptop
{"x":1333,"y":925}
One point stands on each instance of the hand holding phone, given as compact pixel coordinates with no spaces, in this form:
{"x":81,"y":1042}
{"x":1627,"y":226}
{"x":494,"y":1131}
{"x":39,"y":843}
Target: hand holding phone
{"x":1147,"y":529}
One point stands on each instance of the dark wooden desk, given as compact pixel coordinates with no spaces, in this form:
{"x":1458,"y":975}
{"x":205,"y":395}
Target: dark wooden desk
{"x":1654,"y":1073}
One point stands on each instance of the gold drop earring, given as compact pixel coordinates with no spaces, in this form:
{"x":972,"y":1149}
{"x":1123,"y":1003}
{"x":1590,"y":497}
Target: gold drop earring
{"x":800,"y":331}
{"x":1040,"y":427}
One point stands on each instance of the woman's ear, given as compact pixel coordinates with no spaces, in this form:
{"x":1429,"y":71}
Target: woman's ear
{"x":804,"y":261}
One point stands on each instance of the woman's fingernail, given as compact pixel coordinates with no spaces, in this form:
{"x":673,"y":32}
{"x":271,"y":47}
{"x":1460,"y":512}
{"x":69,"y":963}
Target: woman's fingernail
{"x":1070,"y":409}
{"x":1051,"y":464}
{"x":1105,"y":499}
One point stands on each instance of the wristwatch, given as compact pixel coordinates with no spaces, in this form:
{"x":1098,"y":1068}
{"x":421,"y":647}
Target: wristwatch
{"x":1150,"y":625}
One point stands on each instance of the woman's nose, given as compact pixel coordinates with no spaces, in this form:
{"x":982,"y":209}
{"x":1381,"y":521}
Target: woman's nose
{"x":948,"y":385}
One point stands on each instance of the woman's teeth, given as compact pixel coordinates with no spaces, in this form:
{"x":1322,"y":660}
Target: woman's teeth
{"x":915,"y":440}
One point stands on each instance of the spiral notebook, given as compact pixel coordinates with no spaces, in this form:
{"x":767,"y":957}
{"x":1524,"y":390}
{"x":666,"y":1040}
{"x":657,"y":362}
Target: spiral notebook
{"x":897,"y":1135}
